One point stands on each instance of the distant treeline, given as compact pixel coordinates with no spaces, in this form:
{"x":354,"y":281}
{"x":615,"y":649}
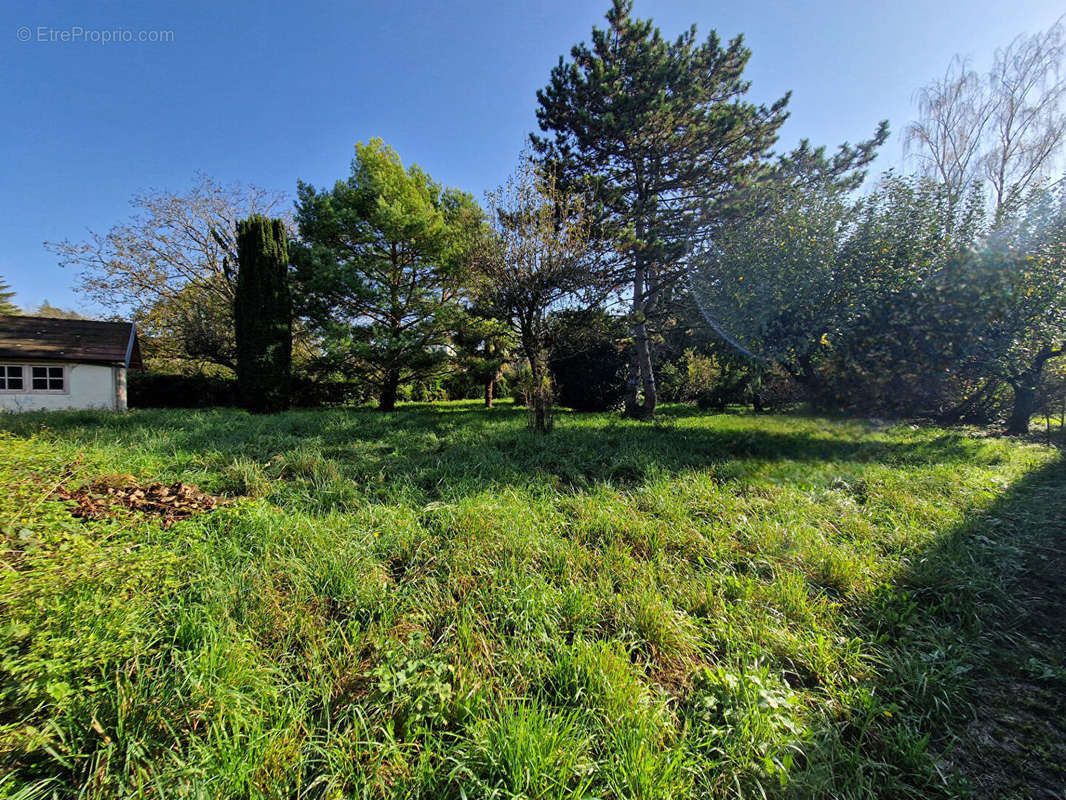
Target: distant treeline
{"x":651,"y":246}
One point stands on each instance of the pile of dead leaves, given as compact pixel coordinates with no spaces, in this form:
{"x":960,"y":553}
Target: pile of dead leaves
{"x":110,"y":496}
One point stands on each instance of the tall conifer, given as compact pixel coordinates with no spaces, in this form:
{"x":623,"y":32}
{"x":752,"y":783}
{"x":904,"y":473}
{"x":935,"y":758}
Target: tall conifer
{"x":263,"y":314}
{"x":656,"y":132}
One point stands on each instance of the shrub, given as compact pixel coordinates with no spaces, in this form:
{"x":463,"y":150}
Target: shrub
{"x":588,"y":361}
{"x":160,"y":390}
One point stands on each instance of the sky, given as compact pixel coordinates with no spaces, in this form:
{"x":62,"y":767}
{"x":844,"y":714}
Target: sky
{"x":271,"y":92}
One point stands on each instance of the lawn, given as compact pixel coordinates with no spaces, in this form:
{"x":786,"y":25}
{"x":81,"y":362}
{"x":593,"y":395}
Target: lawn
{"x":436,"y":602}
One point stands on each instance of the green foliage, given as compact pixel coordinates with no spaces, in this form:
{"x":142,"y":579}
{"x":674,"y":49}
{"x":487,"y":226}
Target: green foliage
{"x":953,"y":308}
{"x":904,"y":335}
{"x":46,"y":309}
{"x":171,"y":264}
{"x":262,"y":312}
{"x":380,"y":269}
{"x":530,"y":752}
{"x":192,"y":329}
{"x":534,"y":261}
{"x":169,"y":390}
{"x":656,"y":133}
{"x":749,"y":719}
{"x":588,"y":361}
{"x":905,"y":303}
{"x":691,"y":377}
{"x":439,"y":601}
{"x":6,"y":293}
{"x":416,"y":689}
{"x":483,"y":345}
{"x":770,"y":281}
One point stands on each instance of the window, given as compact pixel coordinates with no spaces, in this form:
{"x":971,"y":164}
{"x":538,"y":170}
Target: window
{"x":11,"y":378}
{"x":47,"y":379}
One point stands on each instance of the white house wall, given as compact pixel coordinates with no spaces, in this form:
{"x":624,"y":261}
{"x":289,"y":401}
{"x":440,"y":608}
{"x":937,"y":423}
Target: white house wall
{"x":90,"y":386}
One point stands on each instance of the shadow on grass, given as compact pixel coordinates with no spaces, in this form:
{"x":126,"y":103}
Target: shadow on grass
{"x":935,"y":638}
{"x":467,"y":446}
{"x":969,"y":664}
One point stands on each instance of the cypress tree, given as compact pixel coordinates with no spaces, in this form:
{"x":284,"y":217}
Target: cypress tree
{"x":263,"y":314}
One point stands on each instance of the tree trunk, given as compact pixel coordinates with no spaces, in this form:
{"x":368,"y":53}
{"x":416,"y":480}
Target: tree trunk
{"x":973,"y":408}
{"x":632,"y":395}
{"x":490,"y":384}
{"x":540,"y":396}
{"x":632,"y":398}
{"x":641,"y":370}
{"x":539,"y":392}
{"x":389,"y":388}
{"x":1026,"y":402}
{"x":1027,"y":390}
{"x":647,"y":373}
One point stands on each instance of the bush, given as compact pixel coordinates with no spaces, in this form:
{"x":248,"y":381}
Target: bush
{"x":315,"y":394}
{"x":160,"y":390}
{"x":517,"y":383}
{"x":689,"y":377}
{"x":588,"y":360}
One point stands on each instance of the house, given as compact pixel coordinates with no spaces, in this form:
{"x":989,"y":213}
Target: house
{"x":52,"y":364}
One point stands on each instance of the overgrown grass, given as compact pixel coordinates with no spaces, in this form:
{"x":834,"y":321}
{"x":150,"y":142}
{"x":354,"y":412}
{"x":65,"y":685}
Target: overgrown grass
{"x":437,"y":603}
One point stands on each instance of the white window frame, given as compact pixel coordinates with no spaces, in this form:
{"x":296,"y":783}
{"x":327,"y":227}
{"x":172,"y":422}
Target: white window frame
{"x":27,"y":378}
{"x":5,"y":368}
{"x":65,"y":378}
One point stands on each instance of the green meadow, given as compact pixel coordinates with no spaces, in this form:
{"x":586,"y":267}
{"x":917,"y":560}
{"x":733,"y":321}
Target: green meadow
{"x":438,"y":603}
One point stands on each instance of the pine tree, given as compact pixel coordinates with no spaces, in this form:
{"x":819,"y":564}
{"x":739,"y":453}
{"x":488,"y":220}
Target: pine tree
{"x":6,"y":306}
{"x":263,"y":314}
{"x":380,"y":269}
{"x":656,"y":133}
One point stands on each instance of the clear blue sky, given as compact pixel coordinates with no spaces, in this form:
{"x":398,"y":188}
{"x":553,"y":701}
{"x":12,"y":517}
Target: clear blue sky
{"x":271,"y":92}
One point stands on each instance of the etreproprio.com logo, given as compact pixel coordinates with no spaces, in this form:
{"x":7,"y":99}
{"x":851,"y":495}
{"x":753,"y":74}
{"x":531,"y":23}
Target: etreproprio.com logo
{"x":76,"y":34}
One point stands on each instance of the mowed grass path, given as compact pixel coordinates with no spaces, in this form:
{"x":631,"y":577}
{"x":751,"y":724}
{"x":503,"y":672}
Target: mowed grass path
{"x":437,"y":603}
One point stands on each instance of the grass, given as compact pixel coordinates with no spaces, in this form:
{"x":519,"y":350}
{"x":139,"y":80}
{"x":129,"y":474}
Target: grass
{"x":437,"y":603}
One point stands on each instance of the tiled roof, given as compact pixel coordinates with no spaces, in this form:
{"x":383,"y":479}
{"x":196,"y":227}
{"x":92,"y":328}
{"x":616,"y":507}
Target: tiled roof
{"x":79,"y":340}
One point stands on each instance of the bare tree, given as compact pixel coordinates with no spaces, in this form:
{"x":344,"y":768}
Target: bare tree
{"x":535,"y":261}
{"x":172,"y":266}
{"x":1027,"y":87}
{"x":1004,"y":129}
{"x":949,"y":134}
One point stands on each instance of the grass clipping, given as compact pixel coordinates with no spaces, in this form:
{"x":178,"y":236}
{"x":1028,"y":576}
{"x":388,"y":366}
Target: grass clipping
{"x":111,"y":496}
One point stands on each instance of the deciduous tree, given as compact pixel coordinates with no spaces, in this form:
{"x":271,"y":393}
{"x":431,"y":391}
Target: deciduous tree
{"x":1027,"y":90}
{"x":1003,"y":129}
{"x":770,"y":282}
{"x":537,"y":260}
{"x":1016,"y":291}
{"x":948,"y":138}
{"x":173,"y":266}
